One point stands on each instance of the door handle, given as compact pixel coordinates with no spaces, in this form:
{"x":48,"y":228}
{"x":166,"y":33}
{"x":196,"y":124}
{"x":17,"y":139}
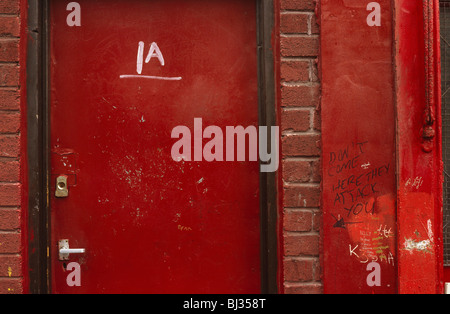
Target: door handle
{"x":65,"y":250}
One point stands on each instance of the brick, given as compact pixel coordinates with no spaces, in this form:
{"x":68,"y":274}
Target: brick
{"x":9,"y":194}
{"x":9,"y":219}
{"x":298,"y":270}
{"x":9,"y":171}
{"x":301,"y":245}
{"x":317,"y":271}
{"x":10,"y":122}
{"x":301,"y":145}
{"x":300,"y":95}
{"x":299,"y":46}
{"x":9,"y":75}
{"x":11,"y":286}
{"x":10,"y":242}
{"x":315,"y":70}
{"x":307,"y":288}
{"x":315,"y":28}
{"x":9,"y":50}
{"x":9,"y":99}
{"x":294,"y":23}
{"x":10,"y":266}
{"x":302,"y":196}
{"x":9,"y":6}
{"x":297,"y":5}
{"x":316,"y":171}
{"x":296,"y":171}
{"x":295,"y":120}
{"x":9,"y":145}
{"x":316,"y":221}
{"x":295,"y":71}
{"x":9,"y":26}
{"x":299,"y":221}
{"x":317,"y":121}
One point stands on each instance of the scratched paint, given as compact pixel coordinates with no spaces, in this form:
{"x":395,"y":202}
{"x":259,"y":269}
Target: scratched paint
{"x":358,"y":145}
{"x":197,"y":224}
{"x":419,"y":169}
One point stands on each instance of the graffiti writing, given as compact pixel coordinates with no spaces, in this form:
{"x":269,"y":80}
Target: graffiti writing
{"x":361,"y":207}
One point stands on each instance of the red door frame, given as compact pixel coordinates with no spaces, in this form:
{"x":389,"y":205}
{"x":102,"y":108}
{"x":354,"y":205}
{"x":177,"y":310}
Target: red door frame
{"x":419,"y":168}
{"x":358,"y":148}
{"x":419,"y":151}
{"x":35,"y":82}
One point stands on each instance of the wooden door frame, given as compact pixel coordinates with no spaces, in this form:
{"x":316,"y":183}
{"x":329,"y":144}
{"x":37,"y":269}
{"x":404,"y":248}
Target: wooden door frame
{"x":38,"y":146}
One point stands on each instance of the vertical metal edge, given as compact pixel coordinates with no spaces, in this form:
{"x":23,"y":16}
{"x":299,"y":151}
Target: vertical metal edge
{"x":33,"y":100}
{"x":37,"y":214}
{"x":46,"y":139}
{"x":395,"y":101}
{"x":440,"y":203}
{"x":267,"y":117}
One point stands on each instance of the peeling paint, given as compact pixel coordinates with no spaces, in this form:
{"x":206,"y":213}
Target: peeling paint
{"x":422,"y":246}
{"x":430,"y":230}
{"x":184,"y":228}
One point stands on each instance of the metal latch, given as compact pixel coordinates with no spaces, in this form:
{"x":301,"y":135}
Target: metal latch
{"x":65,"y":250}
{"x":61,"y":186}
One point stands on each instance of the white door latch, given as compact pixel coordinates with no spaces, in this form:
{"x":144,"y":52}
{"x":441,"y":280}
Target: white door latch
{"x":65,"y":250}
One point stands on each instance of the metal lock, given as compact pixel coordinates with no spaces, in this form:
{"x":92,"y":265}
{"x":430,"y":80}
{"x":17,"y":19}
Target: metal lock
{"x":61,"y":187}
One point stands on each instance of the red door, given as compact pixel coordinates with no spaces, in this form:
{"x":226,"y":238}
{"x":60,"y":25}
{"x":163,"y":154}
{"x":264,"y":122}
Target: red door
{"x":123,"y":75}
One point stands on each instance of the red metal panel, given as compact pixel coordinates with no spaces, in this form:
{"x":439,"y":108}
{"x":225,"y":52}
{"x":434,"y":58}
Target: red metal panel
{"x":149,"y":223}
{"x":419,"y":147}
{"x":358,"y":144}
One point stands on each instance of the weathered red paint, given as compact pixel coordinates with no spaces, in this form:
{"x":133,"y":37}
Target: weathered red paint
{"x":148,"y":223}
{"x":413,"y":191}
{"x":419,"y":209}
{"x":358,"y":147}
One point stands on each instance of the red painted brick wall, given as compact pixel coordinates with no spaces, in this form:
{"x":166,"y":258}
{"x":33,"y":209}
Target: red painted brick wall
{"x":300,"y":126}
{"x":10,"y":126}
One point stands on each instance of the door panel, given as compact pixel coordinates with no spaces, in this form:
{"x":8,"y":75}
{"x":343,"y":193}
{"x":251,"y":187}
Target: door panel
{"x":150,"y":223}
{"x":358,"y":148}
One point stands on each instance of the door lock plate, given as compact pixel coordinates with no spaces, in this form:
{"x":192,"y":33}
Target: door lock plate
{"x":61,"y":187}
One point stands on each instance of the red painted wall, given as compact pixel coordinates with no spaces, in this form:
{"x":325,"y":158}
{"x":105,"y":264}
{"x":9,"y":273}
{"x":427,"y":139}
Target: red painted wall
{"x":298,"y":100}
{"x":296,"y":43}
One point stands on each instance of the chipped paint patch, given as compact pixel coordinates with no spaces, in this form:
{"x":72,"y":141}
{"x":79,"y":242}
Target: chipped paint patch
{"x":422,"y":246}
{"x":430,"y":230}
{"x":183,"y":228}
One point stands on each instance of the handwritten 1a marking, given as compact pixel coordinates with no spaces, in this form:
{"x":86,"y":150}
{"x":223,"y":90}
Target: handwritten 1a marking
{"x":154,"y":52}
